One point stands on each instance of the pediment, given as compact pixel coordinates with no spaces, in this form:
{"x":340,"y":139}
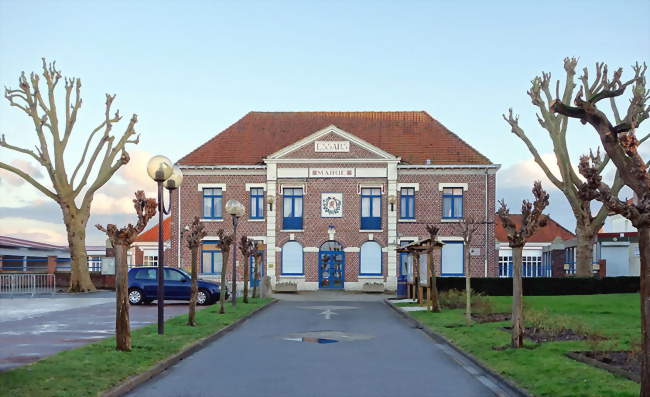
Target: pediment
{"x":331,"y":143}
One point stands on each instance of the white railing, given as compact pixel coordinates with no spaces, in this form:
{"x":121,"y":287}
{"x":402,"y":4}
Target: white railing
{"x":14,"y":284}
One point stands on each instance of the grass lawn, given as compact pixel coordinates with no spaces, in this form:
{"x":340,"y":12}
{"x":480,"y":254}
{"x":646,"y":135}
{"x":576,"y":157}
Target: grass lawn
{"x":545,"y":371}
{"x":92,"y":369}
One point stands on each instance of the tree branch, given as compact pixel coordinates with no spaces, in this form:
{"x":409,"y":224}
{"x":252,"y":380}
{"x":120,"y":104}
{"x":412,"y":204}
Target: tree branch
{"x":513,"y":121}
{"x":29,"y":180}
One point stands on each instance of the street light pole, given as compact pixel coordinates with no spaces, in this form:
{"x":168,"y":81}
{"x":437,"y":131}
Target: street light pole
{"x":161,"y":170}
{"x":235,"y":221}
{"x":236,"y":209}
{"x":161,"y":270}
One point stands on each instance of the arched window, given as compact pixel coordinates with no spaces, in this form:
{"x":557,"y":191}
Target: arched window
{"x":292,"y":258}
{"x":370,"y":259}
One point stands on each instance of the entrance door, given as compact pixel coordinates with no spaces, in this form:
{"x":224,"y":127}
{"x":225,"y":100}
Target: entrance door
{"x":331,"y":266}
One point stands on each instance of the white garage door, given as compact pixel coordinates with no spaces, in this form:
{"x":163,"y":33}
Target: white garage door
{"x":617,"y":260}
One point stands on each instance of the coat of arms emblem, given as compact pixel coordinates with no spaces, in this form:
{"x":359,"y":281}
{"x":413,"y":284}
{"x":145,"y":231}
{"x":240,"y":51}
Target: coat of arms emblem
{"x":331,"y":205}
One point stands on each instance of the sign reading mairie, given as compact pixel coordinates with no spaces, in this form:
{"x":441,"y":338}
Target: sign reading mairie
{"x":331,"y":172}
{"x":332,"y":146}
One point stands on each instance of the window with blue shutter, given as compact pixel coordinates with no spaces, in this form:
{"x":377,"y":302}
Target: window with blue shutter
{"x":292,"y":209}
{"x":371,"y":208}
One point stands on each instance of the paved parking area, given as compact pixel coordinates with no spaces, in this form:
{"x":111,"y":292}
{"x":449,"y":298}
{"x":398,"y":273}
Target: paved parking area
{"x":33,"y":328}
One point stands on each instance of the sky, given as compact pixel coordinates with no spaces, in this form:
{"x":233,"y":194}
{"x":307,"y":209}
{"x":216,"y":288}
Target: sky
{"x":189,"y":69}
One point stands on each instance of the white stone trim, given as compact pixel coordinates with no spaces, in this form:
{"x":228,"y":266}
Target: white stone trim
{"x":325,"y":131}
{"x":292,"y":186}
{"x":255,"y":220}
{"x":449,"y":238}
{"x":371,"y":231}
{"x":293,"y":172}
{"x":451,"y":220}
{"x":351,"y":249}
{"x":250,"y":186}
{"x":443,"y":185}
{"x":310,"y":249}
{"x":408,"y":238}
{"x":210,"y":220}
{"x":202,"y":186}
{"x":378,"y":185}
{"x":407,"y":220}
{"x":415,"y":186}
{"x":210,"y":238}
{"x":258,"y":238}
{"x":371,"y":172}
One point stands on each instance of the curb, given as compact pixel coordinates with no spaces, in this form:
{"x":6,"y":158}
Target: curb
{"x":136,"y":380}
{"x":510,"y":387}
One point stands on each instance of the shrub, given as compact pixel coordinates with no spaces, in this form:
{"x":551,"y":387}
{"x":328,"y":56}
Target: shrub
{"x":455,"y":299}
{"x":553,"y":324}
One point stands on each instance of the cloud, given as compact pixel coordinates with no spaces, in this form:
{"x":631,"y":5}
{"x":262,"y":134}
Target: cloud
{"x":524,"y":173}
{"x":14,"y":180}
{"x":32,"y":229}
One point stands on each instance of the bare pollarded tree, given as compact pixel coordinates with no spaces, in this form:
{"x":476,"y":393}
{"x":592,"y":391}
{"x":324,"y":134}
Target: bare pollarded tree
{"x":531,"y":219}
{"x":621,"y":147}
{"x":122,"y":239}
{"x":556,"y":125}
{"x":467,"y":228}
{"x":247,"y":248}
{"x":224,"y":242}
{"x":193,"y":234}
{"x":102,"y":156}
{"x":435,"y":301}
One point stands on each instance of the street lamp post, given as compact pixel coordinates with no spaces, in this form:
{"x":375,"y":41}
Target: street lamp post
{"x":236,"y":209}
{"x":161,"y":170}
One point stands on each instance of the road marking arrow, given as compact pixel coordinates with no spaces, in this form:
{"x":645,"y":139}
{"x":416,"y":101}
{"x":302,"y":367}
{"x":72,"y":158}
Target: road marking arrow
{"x":328,"y":314}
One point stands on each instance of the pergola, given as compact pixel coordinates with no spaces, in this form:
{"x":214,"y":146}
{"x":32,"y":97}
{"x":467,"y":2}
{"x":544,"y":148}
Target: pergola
{"x":415,"y":287}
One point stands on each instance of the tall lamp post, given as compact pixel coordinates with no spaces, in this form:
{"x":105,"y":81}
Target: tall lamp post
{"x":161,"y":170}
{"x":236,"y":209}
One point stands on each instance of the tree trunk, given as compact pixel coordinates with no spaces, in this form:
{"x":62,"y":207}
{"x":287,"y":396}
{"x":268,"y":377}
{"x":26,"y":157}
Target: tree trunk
{"x":584,"y":251}
{"x":245,"y":264}
{"x":517,"y":297}
{"x":468,"y":287}
{"x":256,"y":275}
{"x":416,"y":277}
{"x":435,"y":303}
{"x":122,"y":326}
{"x":644,"y":249}
{"x":222,"y":295}
{"x":75,"y":224}
{"x":191,"y":317}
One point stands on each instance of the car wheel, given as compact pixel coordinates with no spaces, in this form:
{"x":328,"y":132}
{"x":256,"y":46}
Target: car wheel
{"x":135,"y":296}
{"x":203,"y":297}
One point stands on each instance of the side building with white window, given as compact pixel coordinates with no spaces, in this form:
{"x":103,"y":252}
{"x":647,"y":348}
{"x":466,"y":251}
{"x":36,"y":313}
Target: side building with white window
{"x":331,"y":195}
{"x":549,"y":252}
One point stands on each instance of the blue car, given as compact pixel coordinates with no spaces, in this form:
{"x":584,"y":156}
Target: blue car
{"x":143,"y":286}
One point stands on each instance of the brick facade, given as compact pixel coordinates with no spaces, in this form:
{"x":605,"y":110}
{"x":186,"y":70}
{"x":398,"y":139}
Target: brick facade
{"x":372,"y":168}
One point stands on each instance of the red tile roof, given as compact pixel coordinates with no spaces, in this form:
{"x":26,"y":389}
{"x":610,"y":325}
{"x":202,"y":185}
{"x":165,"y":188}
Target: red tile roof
{"x":544,"y":234}
{"x":413,"y":136}
{"x":152,"y":234}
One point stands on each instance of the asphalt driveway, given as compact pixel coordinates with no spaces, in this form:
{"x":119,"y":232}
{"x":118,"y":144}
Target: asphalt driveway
{"x":33,"y":328}
{"x":322,"y":348}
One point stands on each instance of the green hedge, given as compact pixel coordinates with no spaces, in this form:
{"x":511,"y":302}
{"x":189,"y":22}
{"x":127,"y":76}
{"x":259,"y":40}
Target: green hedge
{"x":545,"y":285}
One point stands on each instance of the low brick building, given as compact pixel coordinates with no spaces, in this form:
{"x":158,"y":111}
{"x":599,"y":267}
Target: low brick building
{"x":547,"y":252}
{"x":144,"y":251}
{"x":333,"y":194}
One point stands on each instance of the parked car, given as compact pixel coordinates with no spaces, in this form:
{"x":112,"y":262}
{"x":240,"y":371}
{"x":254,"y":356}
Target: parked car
{"x":143,"y":286}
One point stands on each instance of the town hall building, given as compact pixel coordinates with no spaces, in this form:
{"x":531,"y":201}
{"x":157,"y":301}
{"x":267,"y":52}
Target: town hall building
{"x":332,"y":195}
